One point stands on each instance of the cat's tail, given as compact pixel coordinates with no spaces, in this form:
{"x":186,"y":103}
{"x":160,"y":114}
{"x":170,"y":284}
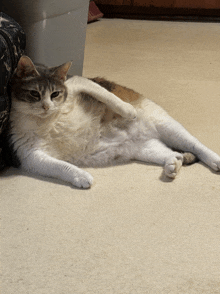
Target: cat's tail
{"x":189,"y":158}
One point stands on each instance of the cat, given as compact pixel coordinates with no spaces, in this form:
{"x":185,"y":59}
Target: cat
{"x":60,"y":124}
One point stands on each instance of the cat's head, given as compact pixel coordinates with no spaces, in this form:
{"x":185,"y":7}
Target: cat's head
{"x":37,"y":90}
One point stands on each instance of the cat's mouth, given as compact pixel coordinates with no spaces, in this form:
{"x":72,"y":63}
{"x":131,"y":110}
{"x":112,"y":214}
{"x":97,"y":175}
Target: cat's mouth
{"x":44,"y":113}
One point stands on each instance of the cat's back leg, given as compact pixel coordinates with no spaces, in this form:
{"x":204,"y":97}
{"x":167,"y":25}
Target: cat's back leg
{"x":174,"y":135}
{"x":154,"y":151}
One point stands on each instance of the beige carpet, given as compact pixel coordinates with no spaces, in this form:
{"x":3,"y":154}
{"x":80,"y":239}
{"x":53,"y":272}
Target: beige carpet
{"x":133,"y":232}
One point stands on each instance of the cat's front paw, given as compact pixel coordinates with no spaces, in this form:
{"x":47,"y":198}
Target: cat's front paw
{"x":83,"y":180}
{"x":216,"y":165}
{"x":130,"y":112}
{"x":213,"y":161}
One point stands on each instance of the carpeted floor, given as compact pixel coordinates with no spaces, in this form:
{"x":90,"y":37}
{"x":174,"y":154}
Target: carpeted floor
{"x":133,"y":232}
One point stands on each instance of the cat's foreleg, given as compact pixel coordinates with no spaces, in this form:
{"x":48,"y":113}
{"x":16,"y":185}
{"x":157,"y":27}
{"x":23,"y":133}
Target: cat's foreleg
{"x":38,"y":162}
{"x":154,"y":151}
{"x":78,"y":84}
{"x":176,"y":136}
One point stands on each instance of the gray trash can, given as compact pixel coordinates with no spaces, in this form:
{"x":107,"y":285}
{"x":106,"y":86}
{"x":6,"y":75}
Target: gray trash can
{"x":55,"y":29}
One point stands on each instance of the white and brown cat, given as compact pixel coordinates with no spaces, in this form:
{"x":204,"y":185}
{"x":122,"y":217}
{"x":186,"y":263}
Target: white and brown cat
{"x":58,"y":126}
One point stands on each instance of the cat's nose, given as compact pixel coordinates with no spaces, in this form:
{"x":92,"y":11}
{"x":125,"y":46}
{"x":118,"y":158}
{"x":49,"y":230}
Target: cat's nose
{"x":45,"y":107}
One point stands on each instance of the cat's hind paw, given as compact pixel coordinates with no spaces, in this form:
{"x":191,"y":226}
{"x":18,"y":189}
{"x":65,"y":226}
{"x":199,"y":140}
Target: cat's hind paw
{"x":213,"y":161}
{"x":173,"y":165}
{"x":83,"y":180}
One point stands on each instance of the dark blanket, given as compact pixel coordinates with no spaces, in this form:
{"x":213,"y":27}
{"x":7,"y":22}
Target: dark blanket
{"x":12,"y":45}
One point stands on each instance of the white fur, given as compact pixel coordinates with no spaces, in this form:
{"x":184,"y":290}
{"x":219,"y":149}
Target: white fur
{"x":54,"y":142}
{"x":78,"y":84}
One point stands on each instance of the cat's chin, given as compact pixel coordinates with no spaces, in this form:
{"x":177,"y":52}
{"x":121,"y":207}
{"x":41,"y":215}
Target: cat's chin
{"x":45,"y":114}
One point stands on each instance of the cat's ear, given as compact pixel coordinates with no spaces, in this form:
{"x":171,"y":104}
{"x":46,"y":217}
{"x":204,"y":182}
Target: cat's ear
{"x":25,"y":68}
{"x":61,"y":71}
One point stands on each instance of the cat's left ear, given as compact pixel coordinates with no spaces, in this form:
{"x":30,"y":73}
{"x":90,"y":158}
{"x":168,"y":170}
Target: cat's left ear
{"x":61,"y":71}
{"x":26,"y":68}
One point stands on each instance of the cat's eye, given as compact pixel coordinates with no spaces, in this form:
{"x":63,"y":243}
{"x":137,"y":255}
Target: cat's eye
{"x":35,"y":94}
{"x":55,"y":94}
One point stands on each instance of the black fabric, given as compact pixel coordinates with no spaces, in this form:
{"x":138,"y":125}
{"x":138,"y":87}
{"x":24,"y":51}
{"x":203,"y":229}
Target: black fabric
{"x":12,"y":45}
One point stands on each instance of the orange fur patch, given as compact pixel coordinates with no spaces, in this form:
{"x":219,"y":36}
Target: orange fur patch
{"x":125,"y":94}
{"x":122,"y":92}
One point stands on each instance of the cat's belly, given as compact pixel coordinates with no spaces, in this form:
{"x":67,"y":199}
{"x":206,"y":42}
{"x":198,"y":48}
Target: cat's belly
{"x":83,"y":141}
{"x":117,"y":144}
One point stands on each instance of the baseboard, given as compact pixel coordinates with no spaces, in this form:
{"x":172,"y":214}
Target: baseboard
{"x":160,"y":13}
